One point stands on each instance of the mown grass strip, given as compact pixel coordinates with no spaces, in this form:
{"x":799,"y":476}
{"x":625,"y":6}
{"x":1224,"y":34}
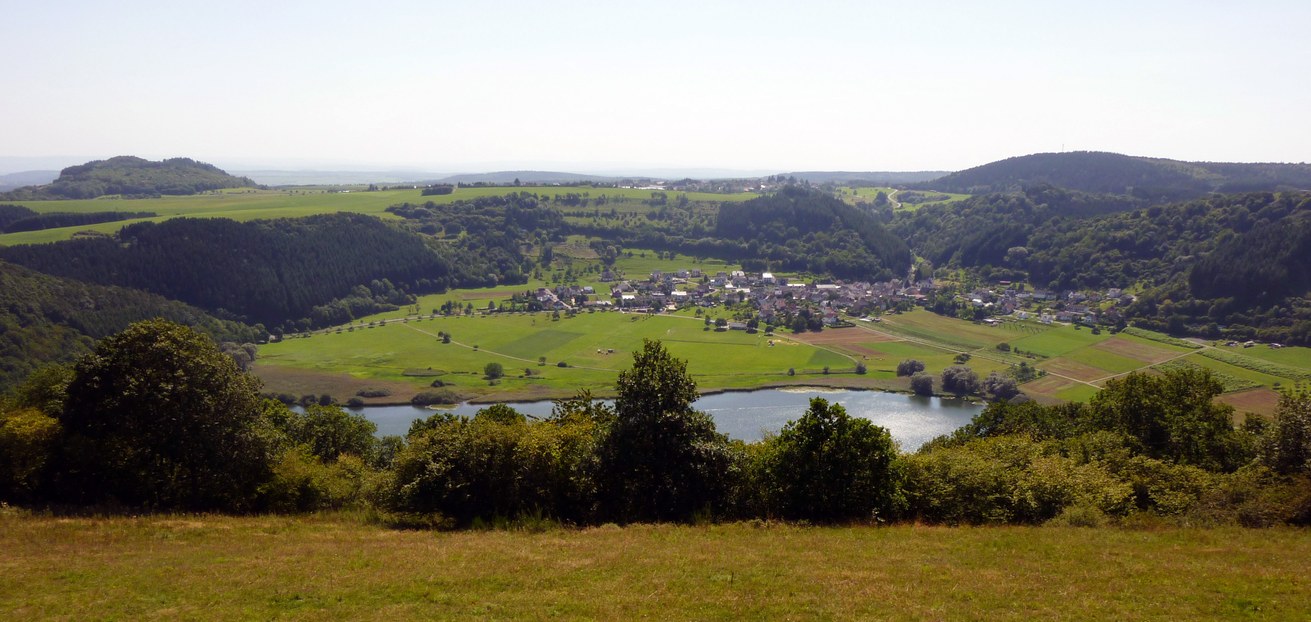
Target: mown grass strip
{"x":1229,"y":382}
{"x":1247,"y":362}
{"x":1161,"y":337}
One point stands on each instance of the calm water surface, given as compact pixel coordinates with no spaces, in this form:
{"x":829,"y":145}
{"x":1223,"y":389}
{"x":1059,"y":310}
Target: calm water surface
{"x":912,"y":420}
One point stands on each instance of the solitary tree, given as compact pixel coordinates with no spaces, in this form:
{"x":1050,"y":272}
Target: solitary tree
{"x":921,"y":383}
{"x":909,"y":367}
{"x":493,"y":370}
{"x":661,"y":460}
{"x":158,"y":417}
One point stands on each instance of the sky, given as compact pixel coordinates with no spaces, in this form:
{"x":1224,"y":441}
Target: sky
{"x":606,"y":86}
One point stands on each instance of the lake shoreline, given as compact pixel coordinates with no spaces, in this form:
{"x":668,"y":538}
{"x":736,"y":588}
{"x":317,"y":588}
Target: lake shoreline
{"x":747,"y":415}
{"x":512,"y":398}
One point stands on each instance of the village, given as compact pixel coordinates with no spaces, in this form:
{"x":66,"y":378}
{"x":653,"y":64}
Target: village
{"x":775,"y":300}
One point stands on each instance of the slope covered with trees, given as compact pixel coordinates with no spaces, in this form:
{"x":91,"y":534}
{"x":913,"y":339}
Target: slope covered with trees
{"x":803,"y":229}
{"x":272,"y":272}
{"x":44,"y":319}
{"x":980,"y":230}
{"x":1239,"y":261}
{"x":133,"y":177}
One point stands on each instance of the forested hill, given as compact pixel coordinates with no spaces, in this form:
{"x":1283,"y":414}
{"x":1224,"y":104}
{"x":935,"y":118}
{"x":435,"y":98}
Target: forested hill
{"x":271,"y":272}
{"x":44,"y":319}
{"x":1150,"y":179}
{"x":133,"y":177}
{"x":1241,"y":261}
{"x":979,"y":231}
{"x":803,"y":228}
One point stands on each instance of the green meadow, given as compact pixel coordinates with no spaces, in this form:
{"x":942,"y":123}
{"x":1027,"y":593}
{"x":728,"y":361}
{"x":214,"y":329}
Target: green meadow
{"x":1077,"y":361}
{"x":593,"y":348}
{"x":335,"y":567}
{"x":294,"y":202}
{"x":1057,"y":341}
{"x":868,"y":194}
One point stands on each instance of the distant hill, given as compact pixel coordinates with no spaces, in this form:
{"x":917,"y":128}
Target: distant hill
{"x":1152,"y":179}
{"x":11,"y":181}
{"x":46,"y":319}
{"x":310,"y":177}
{"x":874,"y":178}
{"x":524,"y":177}
{"x":132,"y":176}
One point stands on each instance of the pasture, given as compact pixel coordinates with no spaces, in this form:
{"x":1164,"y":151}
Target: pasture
{"x":1077,"y":361}
{"x":951,"y":332}
{"x":335,"y":566}
{"x":594,"y":347}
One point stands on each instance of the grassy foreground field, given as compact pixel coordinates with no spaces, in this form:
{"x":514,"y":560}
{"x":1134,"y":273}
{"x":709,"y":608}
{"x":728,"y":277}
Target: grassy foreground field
{"x":334,"y":567}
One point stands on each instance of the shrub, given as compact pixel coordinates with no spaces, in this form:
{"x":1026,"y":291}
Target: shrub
{"x":27,"y":440}
{"x":441,"y":396}
{"x":909,"y":367}
{"x":921,"y":383}
{"x":303,"y":483}
{"x":457,"y":471}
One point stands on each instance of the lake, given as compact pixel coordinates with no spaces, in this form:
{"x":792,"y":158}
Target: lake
{"x":747,"y":415}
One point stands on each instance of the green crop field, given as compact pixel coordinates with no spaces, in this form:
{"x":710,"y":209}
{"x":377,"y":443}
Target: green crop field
{"x":717,"y":359}
{"x":944,"y":330}
{"x":249,"y":204}
{"x":1113,"y":363}
{"x":1250,"y":375}
{"x":1059,"y":340}
{"x":952,"y":197}
{"x":334,"y":567}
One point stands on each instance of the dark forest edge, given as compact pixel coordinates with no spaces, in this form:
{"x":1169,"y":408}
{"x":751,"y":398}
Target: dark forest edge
{"x":157,"y":418}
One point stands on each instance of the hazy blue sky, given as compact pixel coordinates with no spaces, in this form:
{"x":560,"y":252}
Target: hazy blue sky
{"x":477,"y":85}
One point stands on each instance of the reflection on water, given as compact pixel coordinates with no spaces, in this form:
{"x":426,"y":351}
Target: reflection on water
{"x":912,"y":420}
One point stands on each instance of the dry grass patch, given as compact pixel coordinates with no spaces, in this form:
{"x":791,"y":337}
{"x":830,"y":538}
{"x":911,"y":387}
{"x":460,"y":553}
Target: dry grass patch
{"x":1048,"y":385}
{"x":843,"y":336}
{"x":298,"y":382}
{"x":1074,"y":369}
{"x":330,"y":568}
{"x":1259,"y":401}
{"x":1137,"y":351}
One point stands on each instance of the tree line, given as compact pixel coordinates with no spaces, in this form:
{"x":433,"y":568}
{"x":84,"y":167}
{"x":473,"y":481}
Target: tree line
{"x":16,"y":218}
{"x":157,"y":418}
